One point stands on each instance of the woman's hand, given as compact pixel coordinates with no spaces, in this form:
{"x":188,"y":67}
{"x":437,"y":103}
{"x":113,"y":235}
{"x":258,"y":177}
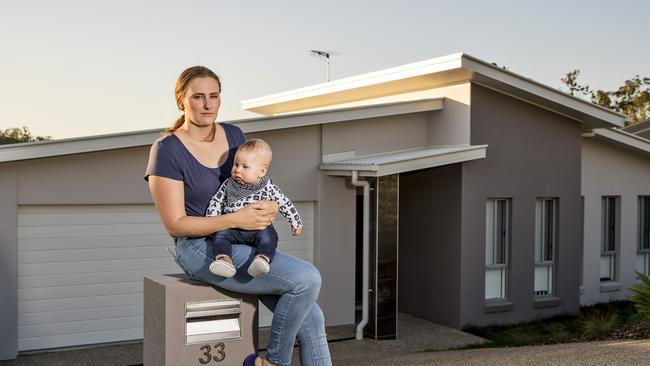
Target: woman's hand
{"x":257,"y":216}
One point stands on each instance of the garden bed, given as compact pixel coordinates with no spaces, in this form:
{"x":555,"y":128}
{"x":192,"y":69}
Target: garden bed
{"x":614,"y":320}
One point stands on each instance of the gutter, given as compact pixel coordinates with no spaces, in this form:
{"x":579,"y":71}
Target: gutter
{"x":366,"y":251}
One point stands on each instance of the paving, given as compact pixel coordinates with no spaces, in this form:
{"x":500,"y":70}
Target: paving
{"x":419,"y":343}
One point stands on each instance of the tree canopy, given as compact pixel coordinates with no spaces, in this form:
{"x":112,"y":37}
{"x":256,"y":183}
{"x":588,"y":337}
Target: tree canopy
{"x":632,"y":98}
{"x":15,"y":135}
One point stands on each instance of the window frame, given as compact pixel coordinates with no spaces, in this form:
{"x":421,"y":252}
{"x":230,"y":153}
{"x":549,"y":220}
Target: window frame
{"x":544,"y":259}
{"x":643,"y":243}
{"x":610,"y":217}
{"x":499,"y":260}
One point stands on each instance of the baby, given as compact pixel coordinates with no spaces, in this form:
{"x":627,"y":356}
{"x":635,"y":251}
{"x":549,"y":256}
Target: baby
{"x":247,"y":185}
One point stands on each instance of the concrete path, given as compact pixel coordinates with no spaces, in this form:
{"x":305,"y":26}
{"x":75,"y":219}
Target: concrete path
{"x":615,"y":353}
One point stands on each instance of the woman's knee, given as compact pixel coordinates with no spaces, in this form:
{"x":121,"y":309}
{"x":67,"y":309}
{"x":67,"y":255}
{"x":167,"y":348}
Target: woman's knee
{"x":309,"y":280}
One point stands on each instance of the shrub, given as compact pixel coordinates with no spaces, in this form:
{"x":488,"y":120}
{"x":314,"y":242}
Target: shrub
{"x":641,"y":290}
{"x":598,"y":324}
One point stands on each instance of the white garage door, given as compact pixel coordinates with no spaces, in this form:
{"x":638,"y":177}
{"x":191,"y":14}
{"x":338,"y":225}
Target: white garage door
{"x":80,"y":270}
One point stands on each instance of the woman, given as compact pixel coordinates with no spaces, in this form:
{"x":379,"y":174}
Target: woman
{"x":186,"y":167}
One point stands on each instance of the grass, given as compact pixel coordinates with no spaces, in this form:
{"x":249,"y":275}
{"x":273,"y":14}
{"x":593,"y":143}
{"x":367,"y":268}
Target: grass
{"x":615,"y":320}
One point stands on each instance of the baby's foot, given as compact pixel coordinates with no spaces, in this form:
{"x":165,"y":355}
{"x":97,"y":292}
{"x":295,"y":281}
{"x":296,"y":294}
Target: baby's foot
{"x":222,"y":266}
{"x":259,"y":266}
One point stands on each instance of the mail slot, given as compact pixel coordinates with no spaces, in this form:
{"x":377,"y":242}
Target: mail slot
{"x":211,"y":321}
{"x":193,"y":323}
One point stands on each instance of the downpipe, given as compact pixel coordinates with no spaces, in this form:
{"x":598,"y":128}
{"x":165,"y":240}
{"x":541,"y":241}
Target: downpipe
{"x":366,"y":251}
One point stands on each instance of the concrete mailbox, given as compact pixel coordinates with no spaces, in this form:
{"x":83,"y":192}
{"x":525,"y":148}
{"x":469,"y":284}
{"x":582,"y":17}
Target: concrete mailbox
{"x":192,"y":323}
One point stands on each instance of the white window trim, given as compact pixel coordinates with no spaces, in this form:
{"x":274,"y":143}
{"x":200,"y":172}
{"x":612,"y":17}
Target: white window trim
{"x":643,"y":254}
{"x":540,"y":261}
{"x":611,"y":255}
{"x":503,"y":267}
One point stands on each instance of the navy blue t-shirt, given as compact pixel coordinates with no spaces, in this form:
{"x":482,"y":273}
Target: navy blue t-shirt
{"x":169,"y":158}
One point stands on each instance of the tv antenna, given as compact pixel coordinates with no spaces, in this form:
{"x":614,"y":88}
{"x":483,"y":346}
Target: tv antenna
{"x":325,"y":56}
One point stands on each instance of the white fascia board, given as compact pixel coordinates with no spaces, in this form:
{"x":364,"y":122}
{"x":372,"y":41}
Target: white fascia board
{"x":340,"y":115}
{"x":621,"y":138}
{"x":433,"y":73}
{"x":34,"y":150}
{"x":529,"y":90}
{"x":264,"y":105}
{"x":370,"y":169}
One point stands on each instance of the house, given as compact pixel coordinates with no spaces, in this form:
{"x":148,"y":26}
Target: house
{"x":471,"y":210}
{"x":616,"y":212}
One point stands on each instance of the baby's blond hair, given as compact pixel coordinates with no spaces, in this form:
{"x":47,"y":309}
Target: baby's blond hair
{"x":260,"y":147}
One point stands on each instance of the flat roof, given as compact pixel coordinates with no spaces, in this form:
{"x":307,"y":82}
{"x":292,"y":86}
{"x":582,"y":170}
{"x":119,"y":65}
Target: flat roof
{"x":639,"y":128}
{"x":621,"y":138}
{"x":43,"y":149}
{"x":429,"y":74}
{"x":394,"y":162}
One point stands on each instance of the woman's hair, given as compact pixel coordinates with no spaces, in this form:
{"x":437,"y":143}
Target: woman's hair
{"x":184,"y":79}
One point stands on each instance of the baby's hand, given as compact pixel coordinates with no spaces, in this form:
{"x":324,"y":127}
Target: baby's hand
{"x":296,"y":231}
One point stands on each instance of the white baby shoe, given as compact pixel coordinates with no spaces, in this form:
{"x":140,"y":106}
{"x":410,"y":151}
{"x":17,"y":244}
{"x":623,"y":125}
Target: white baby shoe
{"x":259,"y":266}
{"x":222,"y":268}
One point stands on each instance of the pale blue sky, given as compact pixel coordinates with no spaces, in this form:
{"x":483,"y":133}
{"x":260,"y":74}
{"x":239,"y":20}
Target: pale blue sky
{"x":83,"y":67}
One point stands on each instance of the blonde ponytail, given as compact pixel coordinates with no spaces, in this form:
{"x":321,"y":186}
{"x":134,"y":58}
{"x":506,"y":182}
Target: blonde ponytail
{"x":177,"y":124}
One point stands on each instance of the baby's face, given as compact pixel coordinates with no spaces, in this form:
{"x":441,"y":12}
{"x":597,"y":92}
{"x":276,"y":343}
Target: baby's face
{"x":248,"y":167}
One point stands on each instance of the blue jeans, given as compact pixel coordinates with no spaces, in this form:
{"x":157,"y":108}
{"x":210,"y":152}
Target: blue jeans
{"x":265,"y":241}
{"x":289,"y":289}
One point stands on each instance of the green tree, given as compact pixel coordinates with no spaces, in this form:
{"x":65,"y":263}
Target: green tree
{"x":632,"y":98}
{"x":15,"y":135}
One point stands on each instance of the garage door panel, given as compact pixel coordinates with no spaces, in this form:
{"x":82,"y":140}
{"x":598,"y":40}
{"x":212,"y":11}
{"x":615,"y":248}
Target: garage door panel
{"x":30,"y":343}
{"x":26,"y":282}
{"x":83,"y":314}
{"x":88,"y":231}
{"x":106,"y":241}
{"x":56,"y":217}
{"x":94,"y":266}
{"x":75,"y":327}
{"x":79,"y":303}
{"x":306,"y":255}
{"x":62,"y":292}
{"x":78,"y":255}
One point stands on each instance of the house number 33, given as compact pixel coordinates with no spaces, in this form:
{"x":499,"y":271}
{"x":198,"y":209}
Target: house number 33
{"x":216,"y":353}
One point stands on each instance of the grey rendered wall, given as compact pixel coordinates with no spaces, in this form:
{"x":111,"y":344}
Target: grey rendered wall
{"x":611,"y":171}
{"x":429,"y":244}
{"x":107,"y":177}
{"x":8,"y":265}
{"x":376,"y":135}
{"x":532,"y":153}
{"x":450,"y":126}
{"x":296,"y":155}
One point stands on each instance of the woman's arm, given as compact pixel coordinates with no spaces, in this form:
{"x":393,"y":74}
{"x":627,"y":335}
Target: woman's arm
{"x":168,"y":196}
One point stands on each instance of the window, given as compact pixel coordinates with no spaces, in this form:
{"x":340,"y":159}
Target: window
{"x":497,"y":234}
{"x":610,"y":234}
{"x":643,"y":253}
{"x":545,"y":244}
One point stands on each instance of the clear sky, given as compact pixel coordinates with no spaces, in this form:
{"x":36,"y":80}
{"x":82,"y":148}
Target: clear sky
{"x":73,"y":68}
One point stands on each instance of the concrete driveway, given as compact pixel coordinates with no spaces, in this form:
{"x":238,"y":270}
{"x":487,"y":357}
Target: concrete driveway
{"x":419,"y":343}
{"x":614,"y":353}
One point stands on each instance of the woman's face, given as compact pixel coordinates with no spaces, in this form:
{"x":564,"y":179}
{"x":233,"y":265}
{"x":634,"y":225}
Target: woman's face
{"x":201,"y":101}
